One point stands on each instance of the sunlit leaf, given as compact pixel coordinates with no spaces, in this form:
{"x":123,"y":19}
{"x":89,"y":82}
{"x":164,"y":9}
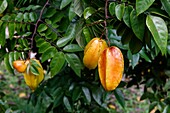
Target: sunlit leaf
{"x":119,"y":11}
{"x":159,"y":31}
{"x":166,"y":5}
{"x":143,"y":5}
{"x":64,"y":3}
{"x":3,"y":6}
{"x":70,"y":34}
{"x":88,"y":12}
{"x":78,"y":8}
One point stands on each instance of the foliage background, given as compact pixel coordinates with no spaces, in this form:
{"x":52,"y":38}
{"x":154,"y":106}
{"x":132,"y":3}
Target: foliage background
{"x":58,"y":30}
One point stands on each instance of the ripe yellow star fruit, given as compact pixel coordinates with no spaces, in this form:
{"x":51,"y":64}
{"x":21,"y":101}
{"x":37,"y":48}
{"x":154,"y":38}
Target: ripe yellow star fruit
{"x":92,"y":52}
{"x":20,"y":65}
{"x":31,"y":79}
{"x":110,"y":68}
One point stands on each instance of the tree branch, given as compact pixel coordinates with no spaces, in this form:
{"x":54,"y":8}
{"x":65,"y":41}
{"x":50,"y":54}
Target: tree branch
{"x":105,"y":22}
{"x":36,"y":24}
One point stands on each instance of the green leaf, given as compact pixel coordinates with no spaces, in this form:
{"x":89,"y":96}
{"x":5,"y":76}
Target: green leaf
{"x":166,"y":5}
{"x":11,"y":59}
{"x":50,"y":12}
{"x":57,"y":63}
{"x":72,"y":48}
{"x":76,"y":93}
{"x":34,"y":70}
{"x":143,"y":5}
{"x":97,"y":95}
{"x":32,"y":16}
{"x":120,"y":98}
{"x":134,"y":59}
{"x":7,"y":64}
{"x":159,"y":31}
{"x":112,"y":8}
{"x":137,"y":24}
{"x":41,"y":28}
{"x":44,"y":46}
{"x":71,"y":14}
{"x":135,"y":45}
{"x":144,"y":56}
{"x":166,"y":109}
{"x":64,"y":3}
{"x":58,"y":99}
{"x":88,"y":12}
{"x":49,"y":53}
{"x":67,"y":104}
{"x":2,"y":33}
{"x":79,"y":35}
{"x":11,"y":29}
{"x":127,"y":36}
{"x":78,"y":7}
{"x":167,"y":86}
{"x":70,"y":35}
{"x":3,"y":6}
{"x":74,"y":62}
{"x":19,"y":17}
{"x":126,"y":16}
{"x":87,"y":34}
{"x":119,"y":11}
{"x":87,"y":94}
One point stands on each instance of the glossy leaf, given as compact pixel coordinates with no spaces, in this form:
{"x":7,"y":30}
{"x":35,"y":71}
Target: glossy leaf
{"x":71,"y":14}
{"x":64,"y":3}
{"x":74,"y":62}
{"x":41,"y":28}
{"x":70,"y":35}
{"x":119,"y":11}
{"x":137,"y":24}
{"x":166,"y":5}
{"x":88,"y":12}
{"x":143,"y":5}
{"x":87,"y":94}
{"x":126,"y":16}
{"x":72,"y":48}
{"x":57,"y":63}
{"x":112,"y":8}
{"x":159,"y":31}
{"x":3,"y":6}
{"x":120,"y":98}
{"x":32,"y":16}
{"x":87,"y":34}
{"x":67,"y":104}
{"x":78,"y":8}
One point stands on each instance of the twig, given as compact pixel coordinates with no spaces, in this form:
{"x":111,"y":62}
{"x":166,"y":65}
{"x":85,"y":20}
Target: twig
{"x":36,"y":24}
{"x":105,"y":22}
